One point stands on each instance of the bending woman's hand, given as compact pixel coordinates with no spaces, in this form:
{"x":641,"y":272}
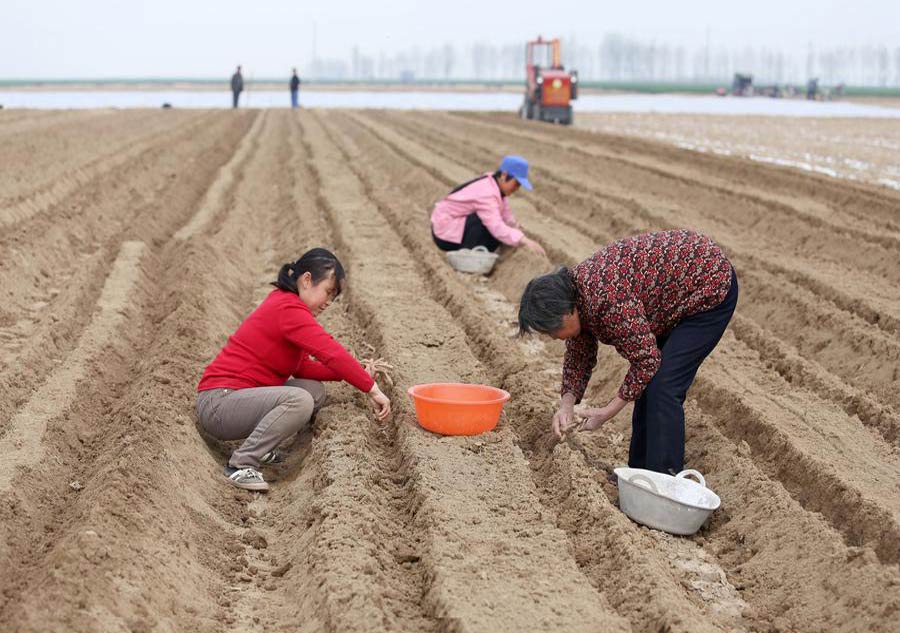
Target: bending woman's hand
{"x":564,"y":418}
{"x":596,"y":416}
{"x":380,"y":403}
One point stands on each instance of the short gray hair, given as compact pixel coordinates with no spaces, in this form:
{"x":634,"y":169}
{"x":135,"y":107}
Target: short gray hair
{"x":545,"y":301}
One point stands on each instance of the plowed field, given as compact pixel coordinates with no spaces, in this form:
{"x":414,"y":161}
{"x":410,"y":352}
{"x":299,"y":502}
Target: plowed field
{"x":857,"y":149}
{"x":133,"y":243}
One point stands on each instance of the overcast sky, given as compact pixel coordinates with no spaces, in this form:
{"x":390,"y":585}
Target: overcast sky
{"x":206,"y":38}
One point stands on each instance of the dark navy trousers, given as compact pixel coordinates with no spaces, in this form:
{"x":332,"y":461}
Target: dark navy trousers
{"x":657,"y":424}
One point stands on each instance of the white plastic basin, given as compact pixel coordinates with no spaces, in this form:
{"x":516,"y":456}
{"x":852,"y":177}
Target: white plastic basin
{"x":476,"y":260}
{"x":676,"y":504}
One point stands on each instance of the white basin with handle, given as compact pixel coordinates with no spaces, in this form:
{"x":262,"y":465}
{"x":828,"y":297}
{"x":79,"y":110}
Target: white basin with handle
{"x":476,"y":260}
{"x":676,"y":504}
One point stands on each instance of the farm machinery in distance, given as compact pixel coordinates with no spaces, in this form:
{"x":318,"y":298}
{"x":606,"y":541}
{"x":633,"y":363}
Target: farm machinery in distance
{"x":549,"y":88}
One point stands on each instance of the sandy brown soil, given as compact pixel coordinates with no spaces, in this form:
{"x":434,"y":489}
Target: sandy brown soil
{"x":864,"y":150}
{"x":134,"y":242}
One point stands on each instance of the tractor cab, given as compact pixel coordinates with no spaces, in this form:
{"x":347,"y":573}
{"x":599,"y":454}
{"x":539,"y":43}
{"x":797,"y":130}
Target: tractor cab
{"x":549,"y":88}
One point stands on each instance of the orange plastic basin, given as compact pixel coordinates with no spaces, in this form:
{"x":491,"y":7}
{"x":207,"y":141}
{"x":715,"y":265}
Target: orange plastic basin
{"x":452,"y":408}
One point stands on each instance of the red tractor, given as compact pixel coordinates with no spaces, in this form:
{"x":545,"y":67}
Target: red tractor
{"x":549,"y":88}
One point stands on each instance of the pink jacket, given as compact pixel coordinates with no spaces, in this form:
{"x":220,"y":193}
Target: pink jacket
{"x":482,"y":196}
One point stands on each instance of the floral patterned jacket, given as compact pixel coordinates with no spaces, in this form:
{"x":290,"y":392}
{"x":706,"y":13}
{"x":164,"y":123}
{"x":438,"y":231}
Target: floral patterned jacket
{"x":635,"y":290}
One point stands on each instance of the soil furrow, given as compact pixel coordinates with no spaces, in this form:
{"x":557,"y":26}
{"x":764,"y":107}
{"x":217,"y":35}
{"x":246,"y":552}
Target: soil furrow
{"x":352,"y":494}
{"x":826,"y":335}
{"x":609,"y":192}
{"x":306,"y":545}
{"x":42,"y":121}
{"x":58,"y":125}
{"x":831,"y":218}
{"x":664,"y":605}
{"x":481,"y":482}
{"x":812,"y":530}
{"x":21,"y":445}
{"x":819,"y":454}
{"x":172,"y":566}
{"x":47,"y":146}
{"x":820,"y":466}
{"x":224,"y":181}
{"x":252,"y":186}
{"x":796,"y":369}
{"x":667,"y":604}
{"x":20,"y":207}
{"x":114,"y":509}
{"x":848,"y":205}
{"x":53,"y":275}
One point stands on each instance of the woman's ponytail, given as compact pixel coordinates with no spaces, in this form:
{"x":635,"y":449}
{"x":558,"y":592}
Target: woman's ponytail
{"x":319,"y":263}
{"x":286,"y":280}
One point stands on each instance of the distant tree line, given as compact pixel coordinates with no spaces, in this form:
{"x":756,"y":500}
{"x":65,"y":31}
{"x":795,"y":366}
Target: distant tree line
{"x":619,"y":58}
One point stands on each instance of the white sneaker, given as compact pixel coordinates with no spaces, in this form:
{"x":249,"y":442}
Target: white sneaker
{"x":246,"y":478}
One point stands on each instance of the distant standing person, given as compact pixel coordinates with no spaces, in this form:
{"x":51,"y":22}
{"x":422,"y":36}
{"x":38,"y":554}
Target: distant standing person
{"x":295,"y":89}
{"x":237,"y":86}
{"x":477,"y":213}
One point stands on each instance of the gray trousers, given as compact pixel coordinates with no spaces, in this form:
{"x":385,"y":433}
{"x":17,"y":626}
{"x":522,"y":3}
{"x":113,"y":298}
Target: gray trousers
{"x":265,"y":416}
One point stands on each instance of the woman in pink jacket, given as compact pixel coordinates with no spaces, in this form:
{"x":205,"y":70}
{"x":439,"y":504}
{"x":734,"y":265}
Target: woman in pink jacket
{"x":477,"y":212}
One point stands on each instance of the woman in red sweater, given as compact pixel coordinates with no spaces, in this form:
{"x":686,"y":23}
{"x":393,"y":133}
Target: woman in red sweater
{"x":263,"y":385}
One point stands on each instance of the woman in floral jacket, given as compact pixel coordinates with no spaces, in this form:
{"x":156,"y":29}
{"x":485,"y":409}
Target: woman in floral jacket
{"x":663,"y":301}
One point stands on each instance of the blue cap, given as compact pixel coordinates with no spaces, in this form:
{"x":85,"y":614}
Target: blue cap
{"x":517,"y":167}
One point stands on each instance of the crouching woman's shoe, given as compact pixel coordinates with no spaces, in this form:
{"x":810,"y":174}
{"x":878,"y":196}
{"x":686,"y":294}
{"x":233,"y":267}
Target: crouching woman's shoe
{"x":247,"y":478}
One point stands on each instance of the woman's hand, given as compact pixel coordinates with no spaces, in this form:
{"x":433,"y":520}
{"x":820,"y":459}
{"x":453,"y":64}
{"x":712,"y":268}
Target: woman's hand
{"x":565,"y":417}
{"x":533,"y":246}
{"x":380,"y":403}
{"x":594,"y":417}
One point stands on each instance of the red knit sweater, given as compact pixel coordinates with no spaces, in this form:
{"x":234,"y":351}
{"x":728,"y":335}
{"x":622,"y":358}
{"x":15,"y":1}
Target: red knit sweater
{"x":274,"y":343}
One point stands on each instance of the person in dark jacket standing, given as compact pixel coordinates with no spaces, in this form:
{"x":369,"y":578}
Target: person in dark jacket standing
{"x":237,"y":86}
{"x":295,"y":89}
{"x":663,"y":301}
